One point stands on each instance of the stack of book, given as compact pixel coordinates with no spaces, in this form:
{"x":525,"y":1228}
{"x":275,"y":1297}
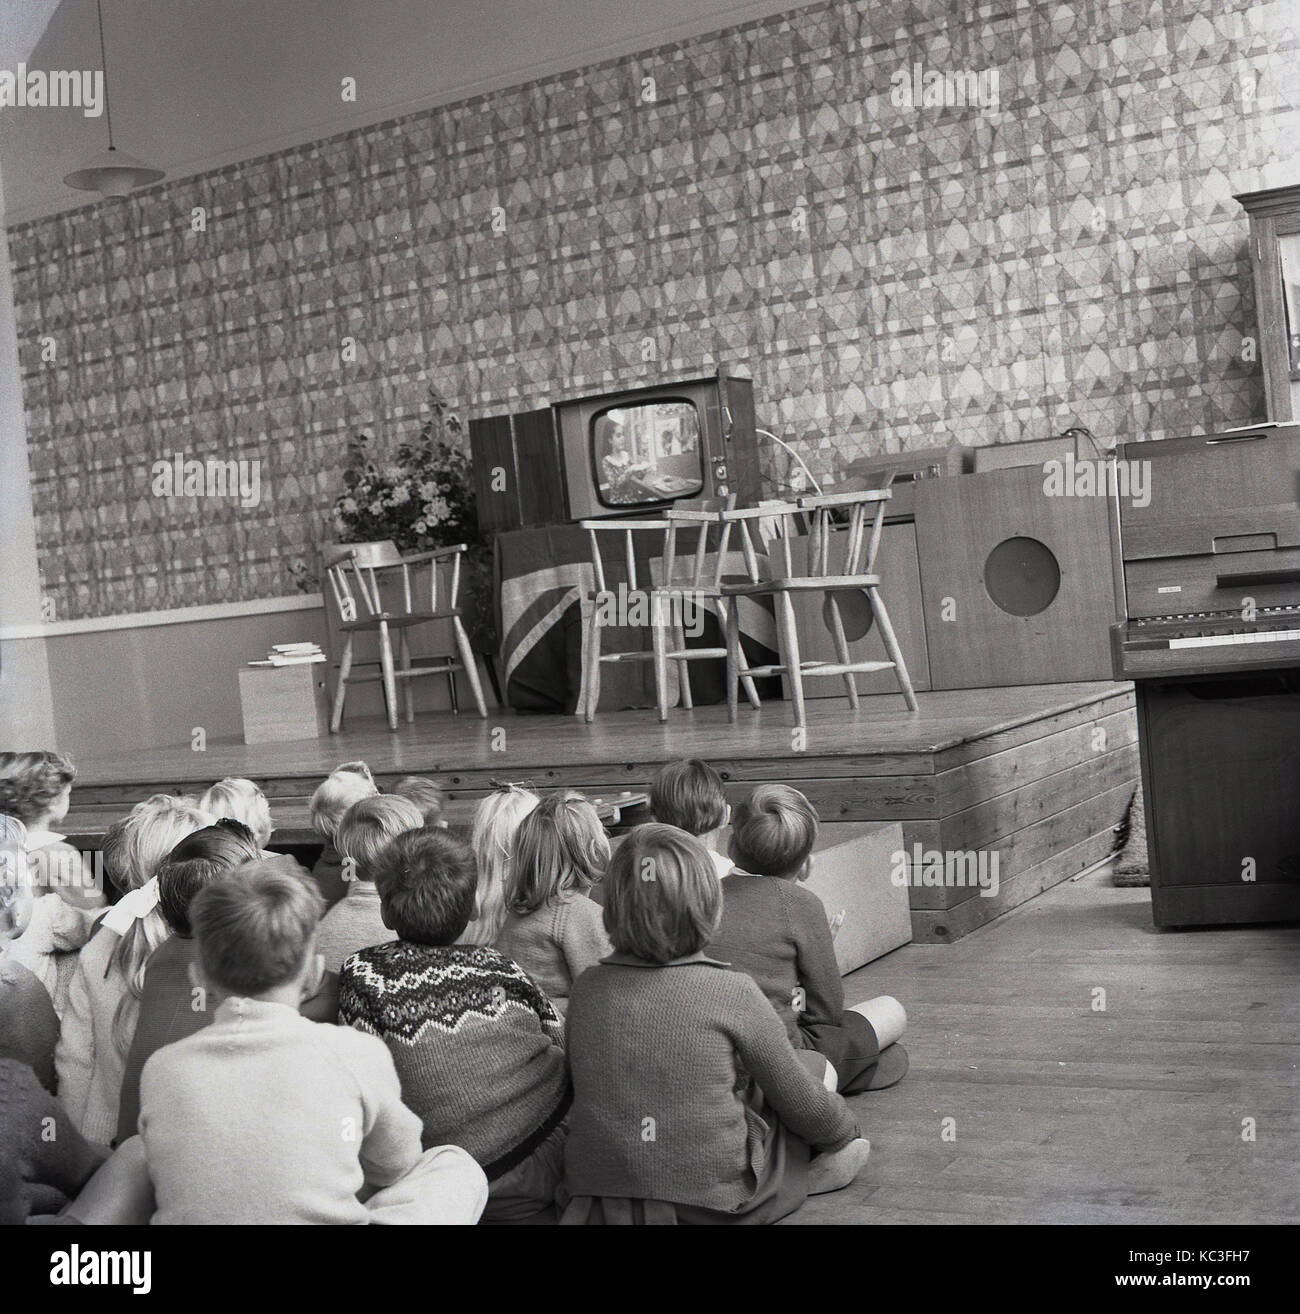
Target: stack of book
{"x":292,"y":654}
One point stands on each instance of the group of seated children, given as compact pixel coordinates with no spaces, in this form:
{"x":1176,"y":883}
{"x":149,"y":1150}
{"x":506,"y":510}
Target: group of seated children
{"x":422,"y":1030}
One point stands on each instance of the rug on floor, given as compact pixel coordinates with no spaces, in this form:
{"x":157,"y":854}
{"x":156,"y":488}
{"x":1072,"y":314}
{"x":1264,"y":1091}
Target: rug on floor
{"x":1131,"y":842}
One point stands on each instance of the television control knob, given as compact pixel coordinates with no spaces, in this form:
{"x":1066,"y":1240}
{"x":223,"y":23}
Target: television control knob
{"x":720,"y":470}
{"x":723,"y":490}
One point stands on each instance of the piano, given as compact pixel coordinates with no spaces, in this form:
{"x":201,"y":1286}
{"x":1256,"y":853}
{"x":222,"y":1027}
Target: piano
{"x":1211,"y":559}
{"x":1208,"y":577}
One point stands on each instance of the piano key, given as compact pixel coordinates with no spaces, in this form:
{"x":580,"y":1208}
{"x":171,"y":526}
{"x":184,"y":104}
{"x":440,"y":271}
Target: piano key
{"x":1219,"y":640}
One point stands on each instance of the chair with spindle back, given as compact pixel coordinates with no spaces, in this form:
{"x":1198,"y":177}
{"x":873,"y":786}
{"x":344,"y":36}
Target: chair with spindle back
{"x":687,"y":582}
{"x":357,"y":580}
{"x":830,"y":571}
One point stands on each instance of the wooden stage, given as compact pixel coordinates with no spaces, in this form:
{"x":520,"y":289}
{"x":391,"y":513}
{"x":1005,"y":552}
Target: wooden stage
{"x":1038,"y":775}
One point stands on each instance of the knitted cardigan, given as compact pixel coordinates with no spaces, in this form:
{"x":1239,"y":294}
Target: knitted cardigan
{"x":39,"y":1147}
{"x":89,"y":1064}
{"x":477,"y":1046}
{"x":776,"y":931}
{"x":29,"y":1027}
{"x":556,"y":943}
{"x":660,"y":1110}
{"x":170,"y":1010}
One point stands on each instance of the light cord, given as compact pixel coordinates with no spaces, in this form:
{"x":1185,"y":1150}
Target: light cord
{"x":103,"y":63}
{"x":780,"y":442}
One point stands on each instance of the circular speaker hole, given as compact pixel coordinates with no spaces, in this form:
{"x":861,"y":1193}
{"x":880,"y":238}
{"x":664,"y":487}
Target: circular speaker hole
{"x":855,"y":613}
{"x":1022,"y":576}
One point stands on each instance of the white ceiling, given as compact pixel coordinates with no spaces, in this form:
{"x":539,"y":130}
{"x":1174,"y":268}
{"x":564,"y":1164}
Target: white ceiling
{"x":199,"y":83}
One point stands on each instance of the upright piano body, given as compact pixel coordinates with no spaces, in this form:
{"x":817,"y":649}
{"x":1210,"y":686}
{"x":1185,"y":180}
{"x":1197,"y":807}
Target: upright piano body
{"x":1211,"y":590}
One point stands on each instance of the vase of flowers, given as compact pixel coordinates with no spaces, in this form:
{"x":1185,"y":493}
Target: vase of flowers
{"x":421,"y":497}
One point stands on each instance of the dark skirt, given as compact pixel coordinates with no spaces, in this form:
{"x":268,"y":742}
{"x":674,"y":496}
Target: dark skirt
{"x":852,"y":1048}
{"x":780,"y":1160}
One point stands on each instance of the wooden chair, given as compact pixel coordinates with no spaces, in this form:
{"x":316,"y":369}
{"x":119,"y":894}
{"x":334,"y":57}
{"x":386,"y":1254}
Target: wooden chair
{"x":686,"y":581}
{"x":830,"y":572}
{"x":356,"y":579}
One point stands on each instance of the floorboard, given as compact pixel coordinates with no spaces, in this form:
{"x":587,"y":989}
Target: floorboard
{"x":1066,"y":1115}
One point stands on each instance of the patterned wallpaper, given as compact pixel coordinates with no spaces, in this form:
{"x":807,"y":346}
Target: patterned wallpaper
{"x":892,"y":275}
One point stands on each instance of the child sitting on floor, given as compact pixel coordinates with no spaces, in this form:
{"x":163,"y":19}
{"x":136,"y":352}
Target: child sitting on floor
{"x":264,"y":1116}
{"x":496,"y":825}
{"x":344,"y":786}
{"x":776,"y":930}
{"x":170,"y":1007}
{"x":663,"y":1042}
{"x":243,"y":801}
{"x":477,"y":1045}
{"x":689,"y":794}
{"x":104,"y":995}
{"x":366,"y":828}
{"x":43,"y":1158}
{"x":552,"y":929}
{"x":427,"y":795}
{"x":61,"y":895}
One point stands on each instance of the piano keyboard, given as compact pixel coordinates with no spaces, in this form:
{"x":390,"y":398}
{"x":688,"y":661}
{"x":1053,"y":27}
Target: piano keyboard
{"x":1206,"y":643}
{"x":1222,"y":640}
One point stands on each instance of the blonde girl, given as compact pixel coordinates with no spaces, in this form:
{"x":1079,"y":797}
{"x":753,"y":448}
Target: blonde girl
{"x":492,"y":838}
{"x":104,"y":995}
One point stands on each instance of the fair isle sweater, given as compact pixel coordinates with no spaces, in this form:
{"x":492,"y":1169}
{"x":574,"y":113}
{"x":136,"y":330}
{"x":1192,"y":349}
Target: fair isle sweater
{"x":265,"y":1117}
{"x":659,"y":1056}
{"x":477,"y":1046}
{"x":776,"y":930}
{"x":556,"y":943}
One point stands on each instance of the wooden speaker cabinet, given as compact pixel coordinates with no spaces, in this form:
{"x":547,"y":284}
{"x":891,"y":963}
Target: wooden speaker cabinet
{"x":1017,"y":585}
{"x":900,"y":573}
{"x":518,"y":471}
{"x":1220,"y":779}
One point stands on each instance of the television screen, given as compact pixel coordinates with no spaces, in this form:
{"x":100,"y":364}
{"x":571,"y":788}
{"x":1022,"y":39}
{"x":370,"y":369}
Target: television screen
{"x":646,"y":453}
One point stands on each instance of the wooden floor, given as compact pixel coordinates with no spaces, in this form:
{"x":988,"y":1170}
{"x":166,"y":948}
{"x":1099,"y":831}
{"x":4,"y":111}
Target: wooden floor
{"x":1066,"y":1115}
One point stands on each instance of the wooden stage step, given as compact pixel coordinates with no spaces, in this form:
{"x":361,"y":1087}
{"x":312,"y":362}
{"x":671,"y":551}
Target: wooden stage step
{"x":1036,"y":776}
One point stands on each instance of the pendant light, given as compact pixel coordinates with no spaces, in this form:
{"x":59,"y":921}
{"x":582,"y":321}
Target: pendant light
{"x":113,"y":172}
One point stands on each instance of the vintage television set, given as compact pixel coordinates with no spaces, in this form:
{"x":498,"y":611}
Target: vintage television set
{"x":641,"y":450}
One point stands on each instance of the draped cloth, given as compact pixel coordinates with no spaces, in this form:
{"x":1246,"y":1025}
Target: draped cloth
{"x":543,"y":576}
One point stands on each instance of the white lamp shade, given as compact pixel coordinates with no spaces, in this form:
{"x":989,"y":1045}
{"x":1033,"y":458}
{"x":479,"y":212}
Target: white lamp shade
{"x":114,"y":173}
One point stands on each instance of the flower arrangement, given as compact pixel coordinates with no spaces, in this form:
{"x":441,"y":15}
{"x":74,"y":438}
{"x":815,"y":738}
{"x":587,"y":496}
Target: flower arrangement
{"x":422,"y":498}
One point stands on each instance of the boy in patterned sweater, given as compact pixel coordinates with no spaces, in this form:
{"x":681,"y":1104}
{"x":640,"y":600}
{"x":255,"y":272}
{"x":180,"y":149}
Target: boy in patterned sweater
{"x":478,"y":1047}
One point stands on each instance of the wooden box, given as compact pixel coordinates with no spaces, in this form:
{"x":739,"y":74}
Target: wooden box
{"x":853,"y":865}
{"x":1011,"y":456}
{"x":283,"y":702}
{"x":908,"y":468}
{"x":852,"y":873}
